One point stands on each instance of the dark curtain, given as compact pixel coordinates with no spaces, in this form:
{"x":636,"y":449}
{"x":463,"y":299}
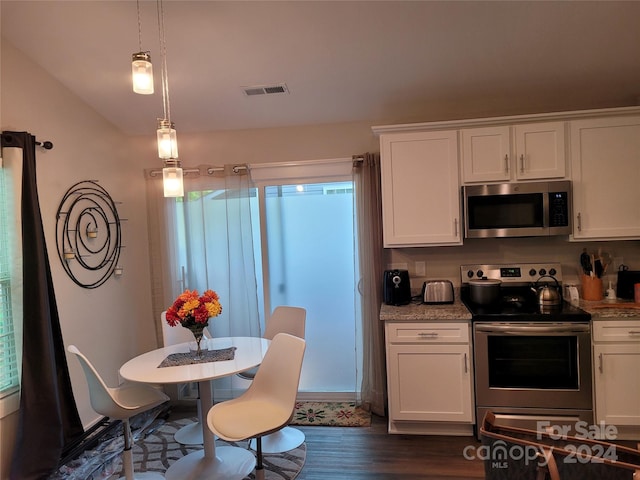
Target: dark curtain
{"x":48,"y":417}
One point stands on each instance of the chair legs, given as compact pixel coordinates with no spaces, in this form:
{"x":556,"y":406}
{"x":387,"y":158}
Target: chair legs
{"x":259,"y":463}
{"x":280,"y":441}
{"x":127,"y":458}
{"x":191,"y":434}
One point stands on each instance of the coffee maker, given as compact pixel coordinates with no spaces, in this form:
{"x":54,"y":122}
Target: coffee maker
{"x":397,"y":289}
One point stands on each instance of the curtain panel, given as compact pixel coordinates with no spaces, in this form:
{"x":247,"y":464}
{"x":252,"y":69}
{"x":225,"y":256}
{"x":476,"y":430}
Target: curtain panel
{"x":204,"y":241}
{"x":48,"y":418}
{"x":368,"y":218}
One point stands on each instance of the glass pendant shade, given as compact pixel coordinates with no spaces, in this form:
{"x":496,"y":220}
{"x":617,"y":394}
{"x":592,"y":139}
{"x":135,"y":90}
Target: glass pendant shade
{"x":172,"y":182}
{"x":142,"y":73}
{"x":167,"y":140}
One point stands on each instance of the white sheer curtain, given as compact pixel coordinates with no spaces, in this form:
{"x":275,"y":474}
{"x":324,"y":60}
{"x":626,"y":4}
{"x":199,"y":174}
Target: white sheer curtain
{"x":204,"y":241}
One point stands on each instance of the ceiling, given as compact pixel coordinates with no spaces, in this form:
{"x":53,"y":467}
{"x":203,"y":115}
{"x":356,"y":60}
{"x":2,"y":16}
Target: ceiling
{"x":342,"y":61}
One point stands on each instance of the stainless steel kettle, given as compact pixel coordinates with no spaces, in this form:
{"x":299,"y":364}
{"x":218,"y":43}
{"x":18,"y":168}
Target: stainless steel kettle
{"x":548,"y":295}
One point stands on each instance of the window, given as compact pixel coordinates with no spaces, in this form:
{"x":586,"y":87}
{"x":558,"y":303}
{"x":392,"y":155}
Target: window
{"x":9,"y":379}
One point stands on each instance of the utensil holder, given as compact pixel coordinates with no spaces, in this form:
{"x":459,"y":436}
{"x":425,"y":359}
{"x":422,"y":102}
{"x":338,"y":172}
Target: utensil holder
{"x":591,"y":288}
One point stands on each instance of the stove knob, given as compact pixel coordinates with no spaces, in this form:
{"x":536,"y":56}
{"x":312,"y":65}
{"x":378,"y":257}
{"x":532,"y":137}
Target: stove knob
{"x":532,"y":272}
{"x":480,"y":273}
{"x":552,"y":272}
{"x":470,"y":273}
{"x":543,"y":271}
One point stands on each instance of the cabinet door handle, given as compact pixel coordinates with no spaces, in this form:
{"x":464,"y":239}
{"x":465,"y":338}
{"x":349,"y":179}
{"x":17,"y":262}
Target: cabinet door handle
{"x":466,"y":364}
{"x":428,"y":334}
{"x":634,"y":332}
{"x":521,"y":163}
{"x":506,"y":164}
{"x":579,"y":222}
{"x":455,"y":227}
{"x":600,"y":363}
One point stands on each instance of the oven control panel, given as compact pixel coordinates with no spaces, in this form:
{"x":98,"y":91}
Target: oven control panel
{"x":513,"y":273}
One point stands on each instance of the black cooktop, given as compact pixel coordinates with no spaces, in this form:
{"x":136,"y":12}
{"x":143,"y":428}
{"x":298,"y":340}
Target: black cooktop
{"x":519,"y":304}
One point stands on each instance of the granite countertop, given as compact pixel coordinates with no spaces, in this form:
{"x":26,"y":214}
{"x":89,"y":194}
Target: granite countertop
{"x":421,"y":312}
{"x":619,"y":310}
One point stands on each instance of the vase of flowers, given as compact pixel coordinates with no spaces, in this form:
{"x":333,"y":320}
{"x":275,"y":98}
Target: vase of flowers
{"x":192,"y":311}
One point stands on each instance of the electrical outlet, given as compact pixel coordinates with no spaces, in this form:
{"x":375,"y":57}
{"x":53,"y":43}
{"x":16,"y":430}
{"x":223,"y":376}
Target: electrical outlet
{"x":421,"y":268}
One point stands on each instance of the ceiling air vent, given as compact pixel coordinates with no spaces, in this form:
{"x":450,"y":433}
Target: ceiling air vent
{"x":265,"y":89}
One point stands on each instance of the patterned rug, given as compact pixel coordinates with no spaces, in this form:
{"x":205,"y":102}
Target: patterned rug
{"x":333,"y":414}
{"x":155,"y":450}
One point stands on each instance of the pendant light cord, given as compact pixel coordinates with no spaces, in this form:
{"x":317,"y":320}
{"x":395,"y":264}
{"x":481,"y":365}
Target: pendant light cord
{"x":139,"y":26}
{"x":164,"y":73}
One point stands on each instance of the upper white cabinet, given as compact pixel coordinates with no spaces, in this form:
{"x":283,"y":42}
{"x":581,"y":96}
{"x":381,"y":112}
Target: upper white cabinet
{"x":518,"y":152}
{"x":605,"y":165}
{"x":420,"y":189}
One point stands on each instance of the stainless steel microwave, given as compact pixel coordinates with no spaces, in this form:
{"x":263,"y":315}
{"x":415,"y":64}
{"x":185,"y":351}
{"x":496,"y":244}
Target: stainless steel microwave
{"x":537,"y":209}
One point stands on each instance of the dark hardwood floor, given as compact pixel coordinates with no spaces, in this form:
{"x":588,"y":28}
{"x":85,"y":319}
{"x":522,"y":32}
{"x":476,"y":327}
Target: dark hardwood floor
{"x":355,"y":453}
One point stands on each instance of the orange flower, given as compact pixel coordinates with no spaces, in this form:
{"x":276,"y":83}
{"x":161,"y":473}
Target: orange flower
{"x":190,"y":308}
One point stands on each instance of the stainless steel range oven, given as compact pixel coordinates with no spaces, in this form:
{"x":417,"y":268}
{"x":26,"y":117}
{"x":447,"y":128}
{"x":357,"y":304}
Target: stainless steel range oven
{"x":532,"y":363}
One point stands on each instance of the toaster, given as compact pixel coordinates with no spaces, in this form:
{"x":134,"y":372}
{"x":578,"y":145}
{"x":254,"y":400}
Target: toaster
{"x":437,"y":291}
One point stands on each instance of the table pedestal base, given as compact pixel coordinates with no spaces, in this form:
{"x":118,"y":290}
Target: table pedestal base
{"x":230,"y":463}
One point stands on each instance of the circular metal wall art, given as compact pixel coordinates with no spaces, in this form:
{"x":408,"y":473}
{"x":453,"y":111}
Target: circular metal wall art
{"x":88,"y":235}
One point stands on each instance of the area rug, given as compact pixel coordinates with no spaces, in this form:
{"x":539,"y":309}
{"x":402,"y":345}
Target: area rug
{"x":332,"y":414}
{"x":156,"y":450}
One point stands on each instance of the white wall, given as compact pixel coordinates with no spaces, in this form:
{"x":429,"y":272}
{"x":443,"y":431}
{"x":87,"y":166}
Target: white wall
{"x":113,"y":322}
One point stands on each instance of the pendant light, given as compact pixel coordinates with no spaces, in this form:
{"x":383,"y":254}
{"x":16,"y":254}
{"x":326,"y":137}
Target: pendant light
{"x":172,"y":179}
{"x":166,"y":133}
{"x":141,"y":68}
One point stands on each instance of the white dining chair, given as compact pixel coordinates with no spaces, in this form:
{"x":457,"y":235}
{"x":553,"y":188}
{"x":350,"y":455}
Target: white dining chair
{"x":121,"y":403}
{"x":190,"y":434}
{"x":268,"y":404}
{"x":291,"y":320}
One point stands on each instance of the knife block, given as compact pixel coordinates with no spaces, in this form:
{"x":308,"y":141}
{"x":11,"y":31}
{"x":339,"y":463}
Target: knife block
{"x":591,"y":288}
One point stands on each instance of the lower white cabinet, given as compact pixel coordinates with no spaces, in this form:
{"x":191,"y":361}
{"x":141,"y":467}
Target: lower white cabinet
{"x":616,"y":348}
{"x":430,"y":378}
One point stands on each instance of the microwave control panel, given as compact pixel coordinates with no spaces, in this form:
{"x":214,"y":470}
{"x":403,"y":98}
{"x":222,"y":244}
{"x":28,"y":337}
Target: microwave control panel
{"x":558,"y":209}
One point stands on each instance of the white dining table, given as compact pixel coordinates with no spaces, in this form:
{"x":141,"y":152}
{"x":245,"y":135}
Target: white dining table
{"x":222,"y":462}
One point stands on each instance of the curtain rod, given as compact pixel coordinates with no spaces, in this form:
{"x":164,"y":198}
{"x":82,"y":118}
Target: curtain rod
{"x":210,"y":170}
{"x":47,"y":145}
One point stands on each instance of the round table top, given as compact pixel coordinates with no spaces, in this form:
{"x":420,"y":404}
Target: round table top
{"x":145,"y":368}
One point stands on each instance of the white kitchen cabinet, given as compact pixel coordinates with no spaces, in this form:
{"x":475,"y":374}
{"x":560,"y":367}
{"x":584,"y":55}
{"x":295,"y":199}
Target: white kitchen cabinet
{"x":616,"y":353}
{"x":430,"y":378}
{"x":605,"y":164}
{"x":420,"y":189}
{"x":508,"y":153}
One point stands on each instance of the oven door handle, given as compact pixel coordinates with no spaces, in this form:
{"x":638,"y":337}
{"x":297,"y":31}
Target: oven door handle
{"x":519,"y":329}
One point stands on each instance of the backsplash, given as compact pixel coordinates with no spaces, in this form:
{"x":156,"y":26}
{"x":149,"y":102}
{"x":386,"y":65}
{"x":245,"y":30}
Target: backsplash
{"x":444,"y":262}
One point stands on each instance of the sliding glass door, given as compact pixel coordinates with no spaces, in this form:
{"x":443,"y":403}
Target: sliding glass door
{"x":304,"y":251}
{"x":309,"y":253}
